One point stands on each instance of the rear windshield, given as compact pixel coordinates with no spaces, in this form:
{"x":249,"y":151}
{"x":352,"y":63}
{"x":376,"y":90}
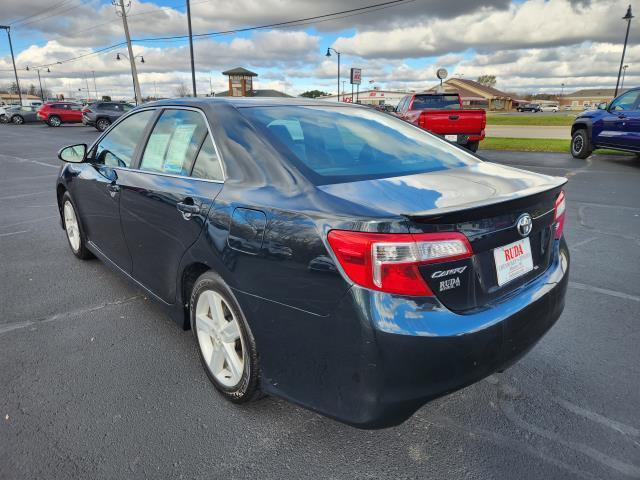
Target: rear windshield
{"x":447,"y":102}
{"x":346,"y":144}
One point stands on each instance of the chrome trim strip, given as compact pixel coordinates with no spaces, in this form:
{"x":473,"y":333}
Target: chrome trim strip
{"x":168,"y":107}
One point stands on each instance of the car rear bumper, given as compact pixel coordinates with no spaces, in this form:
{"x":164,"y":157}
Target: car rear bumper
{"x":380,"y":357}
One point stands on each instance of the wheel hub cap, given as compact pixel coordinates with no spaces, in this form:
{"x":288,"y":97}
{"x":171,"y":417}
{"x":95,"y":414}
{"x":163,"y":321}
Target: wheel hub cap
{"x":219,"y":338}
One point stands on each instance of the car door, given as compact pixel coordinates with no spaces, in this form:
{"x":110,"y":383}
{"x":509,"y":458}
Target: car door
{"x":165,"y":200}
{"x":74,"y":114}
{"x":96,"y":190}
{"x":618,"y":122}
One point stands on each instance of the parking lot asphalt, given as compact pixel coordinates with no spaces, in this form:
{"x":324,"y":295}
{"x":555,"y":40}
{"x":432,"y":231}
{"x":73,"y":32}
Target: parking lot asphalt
{"x":95,"y":382}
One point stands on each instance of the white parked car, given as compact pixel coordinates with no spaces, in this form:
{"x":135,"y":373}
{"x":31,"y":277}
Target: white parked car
{"x":549,"y":108}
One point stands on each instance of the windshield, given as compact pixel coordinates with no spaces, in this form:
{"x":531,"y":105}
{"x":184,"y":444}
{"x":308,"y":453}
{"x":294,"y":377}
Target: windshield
{"x":346,"y":144}
{"x":448,"y":102}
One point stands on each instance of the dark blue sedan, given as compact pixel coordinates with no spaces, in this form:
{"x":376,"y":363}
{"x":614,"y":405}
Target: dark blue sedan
{"x":331,"y":255}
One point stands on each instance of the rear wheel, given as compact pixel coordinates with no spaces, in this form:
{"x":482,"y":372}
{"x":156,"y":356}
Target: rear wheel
{"x":72,"y":227}
{"x":102,"y":124}
{"x":580,"y":145}
{"x":54,"y":121}
{"x":473,"y":146}
{"x":225,"y":343}
{"x":17,"y":119}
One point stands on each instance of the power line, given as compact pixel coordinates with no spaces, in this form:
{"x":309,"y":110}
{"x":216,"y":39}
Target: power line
{"x":279,"y":24}
{"x":22,"y":23}
{"x":53,"y":7}
{"x":285,"y":24}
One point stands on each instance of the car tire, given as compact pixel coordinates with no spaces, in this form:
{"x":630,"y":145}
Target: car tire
{"x":580,"y":145}
{"x":73,"y":229}
{"x":226,"y":345}
{"x":17,"y":120}
{"x":102,"y":124}
{"x":54,"y":121}
{"x":473,"y":146}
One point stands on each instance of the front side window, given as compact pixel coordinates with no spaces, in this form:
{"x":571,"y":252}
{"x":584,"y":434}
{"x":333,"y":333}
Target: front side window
{"x":344,"y":144}
{"x":117,"y":148}
{"x":626,"y":102}
{"x":174,"y":142}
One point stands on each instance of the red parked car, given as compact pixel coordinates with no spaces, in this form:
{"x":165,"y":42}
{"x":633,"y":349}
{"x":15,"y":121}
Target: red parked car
{"x":442,"y":113}
{"x":55,"y":114}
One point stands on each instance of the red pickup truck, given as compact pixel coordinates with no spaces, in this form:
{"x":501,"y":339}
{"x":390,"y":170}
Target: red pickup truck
{"x":442,"y":114}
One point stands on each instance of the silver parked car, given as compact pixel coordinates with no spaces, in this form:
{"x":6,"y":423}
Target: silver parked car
{"x":19,"y":115}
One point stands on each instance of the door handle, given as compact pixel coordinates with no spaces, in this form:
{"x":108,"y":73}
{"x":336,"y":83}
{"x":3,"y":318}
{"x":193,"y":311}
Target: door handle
{"x":454,"y":117}
{"x":187,"y":208}
{"x":113,"y":189}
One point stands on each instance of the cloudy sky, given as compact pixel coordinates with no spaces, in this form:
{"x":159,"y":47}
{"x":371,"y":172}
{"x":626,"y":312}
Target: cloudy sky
{"x":531,"y":46}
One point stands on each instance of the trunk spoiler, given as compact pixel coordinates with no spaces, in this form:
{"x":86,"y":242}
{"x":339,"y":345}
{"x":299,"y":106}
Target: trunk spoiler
{"x":491,"y":206}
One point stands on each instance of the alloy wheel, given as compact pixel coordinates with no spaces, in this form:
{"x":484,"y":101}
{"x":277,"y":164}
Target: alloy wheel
{"x":54,"y":121}
{"x":220,"y":340}
{"x":18,"y":120}
{"x":578,"y":144}
{"x":102,"y":125}
{"x":71,"y":226}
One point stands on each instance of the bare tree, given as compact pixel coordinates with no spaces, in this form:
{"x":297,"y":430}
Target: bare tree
{"x":182,"y":91}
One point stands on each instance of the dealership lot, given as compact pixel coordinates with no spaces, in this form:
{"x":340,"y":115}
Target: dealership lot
{"x":95,"y":382}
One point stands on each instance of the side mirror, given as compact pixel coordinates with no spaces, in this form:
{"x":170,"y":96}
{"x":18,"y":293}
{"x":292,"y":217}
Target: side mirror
{"x":73,"y":153}
{"x":603,"y":106}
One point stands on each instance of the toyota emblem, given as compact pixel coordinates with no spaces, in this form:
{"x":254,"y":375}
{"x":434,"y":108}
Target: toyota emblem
{"x":524,"y":224}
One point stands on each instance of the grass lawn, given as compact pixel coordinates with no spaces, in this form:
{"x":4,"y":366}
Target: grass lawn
{"x":536,"y":145}
{"x":555,"y":120}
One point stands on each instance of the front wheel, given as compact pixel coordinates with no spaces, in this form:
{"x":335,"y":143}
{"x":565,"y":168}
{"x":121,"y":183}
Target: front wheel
{"x":54,"y":121}
{"x":17,"y":120}
{"x":72,"y":227}
{"x":225,"y":343}
{"x":580,"y":145}
{"x":4,"y":118}
{"x":473,"y":146}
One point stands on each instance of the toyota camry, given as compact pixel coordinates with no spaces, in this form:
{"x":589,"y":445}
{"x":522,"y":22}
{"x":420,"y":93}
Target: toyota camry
{"x":331,"y":255}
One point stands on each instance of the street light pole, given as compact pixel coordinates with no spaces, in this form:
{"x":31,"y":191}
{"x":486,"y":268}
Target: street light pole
{"x":628,"y":18}
{"x":193,"y":68}
{"x":132,"y":61}
{"x":624,"y":71}
{"x":95,"y":87}
{"x":40,"y":82}
{"x":337,"y":53}
{"x":15,"y":72}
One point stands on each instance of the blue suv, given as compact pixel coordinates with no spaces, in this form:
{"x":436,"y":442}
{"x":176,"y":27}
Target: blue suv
{"x":615,"y":126}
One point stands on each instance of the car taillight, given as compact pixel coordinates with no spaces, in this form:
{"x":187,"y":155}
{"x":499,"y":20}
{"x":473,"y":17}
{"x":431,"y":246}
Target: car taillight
{"x":86,"y":110}
{"x":422,"y":121}
{"x":389,"y":262}
{"x":559,"y":215}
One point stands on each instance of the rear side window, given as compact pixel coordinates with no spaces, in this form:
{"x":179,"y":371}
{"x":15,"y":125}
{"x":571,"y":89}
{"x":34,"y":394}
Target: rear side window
{"x":346,"y":144}
{"x":117,"y":148}
{"x":447,"y":102}
{"x":174,"y":142}
{"x":207,"y":164}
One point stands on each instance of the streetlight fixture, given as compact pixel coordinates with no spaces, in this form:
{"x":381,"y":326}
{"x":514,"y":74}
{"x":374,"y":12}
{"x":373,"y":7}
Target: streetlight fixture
{"x":137,"y":93}
{"x":39,"y":81}
{"x":329,"y":49}
{"x":624,"y":71}
{"x":628,"y":18}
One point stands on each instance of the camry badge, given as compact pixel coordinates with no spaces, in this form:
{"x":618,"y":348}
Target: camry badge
{"x":524,"y":224}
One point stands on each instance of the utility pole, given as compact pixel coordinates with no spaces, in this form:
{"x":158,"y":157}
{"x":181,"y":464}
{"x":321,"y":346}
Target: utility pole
{"x":40,"y":82}
{"x":95,"y":87}
{"x":87,"y":84}
{"x":132,"y":59}
{"x":193,"y":68}
{"x":15,"y":72}
{"x":628,"y":18}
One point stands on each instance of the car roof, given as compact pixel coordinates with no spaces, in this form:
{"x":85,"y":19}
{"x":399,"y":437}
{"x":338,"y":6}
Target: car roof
{"x":240,"y":102}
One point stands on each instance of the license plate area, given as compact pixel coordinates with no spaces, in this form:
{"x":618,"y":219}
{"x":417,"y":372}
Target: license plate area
{"x":513,"y":260}
{"x":451,"y":138}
